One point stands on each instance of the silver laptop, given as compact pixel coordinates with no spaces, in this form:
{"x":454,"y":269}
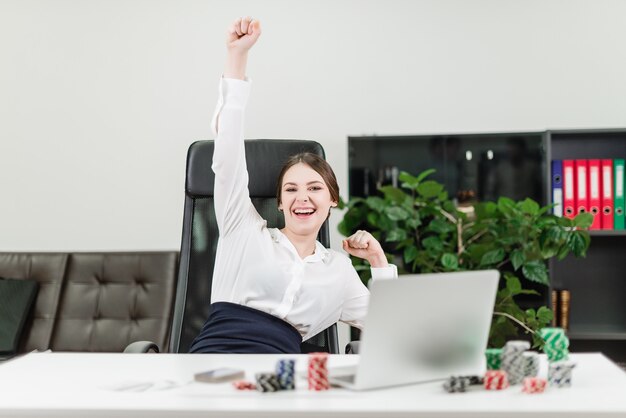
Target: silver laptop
{"x":422,"y":328}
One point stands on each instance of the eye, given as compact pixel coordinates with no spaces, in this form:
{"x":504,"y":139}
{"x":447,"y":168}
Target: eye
{"x":315,"y":188}
{"x":290,"y":189}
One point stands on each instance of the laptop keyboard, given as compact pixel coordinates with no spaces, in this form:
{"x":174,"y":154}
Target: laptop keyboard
{"x":347,"y":379}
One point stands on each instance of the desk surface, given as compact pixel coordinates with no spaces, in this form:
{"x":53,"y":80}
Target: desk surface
{"x":64,"y":384}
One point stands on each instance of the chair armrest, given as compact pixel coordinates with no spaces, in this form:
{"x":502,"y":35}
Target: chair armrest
{"x":353,"y":347}
{"x":141,"y":347}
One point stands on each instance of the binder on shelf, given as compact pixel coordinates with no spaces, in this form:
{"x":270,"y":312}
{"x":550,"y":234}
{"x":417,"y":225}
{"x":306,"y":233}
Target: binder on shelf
{"x":606,"y":167}
{"x":593,"y":193}
{"x":569,"y":186}
{"x":557,"y":187}
{"x":618,"y":194}
{"x":581,"y":196}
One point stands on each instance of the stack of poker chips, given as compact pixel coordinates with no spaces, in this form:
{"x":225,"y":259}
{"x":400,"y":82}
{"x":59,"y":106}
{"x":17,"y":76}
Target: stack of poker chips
{"x":556,"y":343}
{"x":560,"y":373}
{"x":267,"y":382}
{"x":318,"y":372}
{"x":461,"y":383}
{"x":496,"y":380}
{"x":531,"y":364}
{"x":494,"y":358}
{"x":533,"y":385}
{"x":285,"y":372}
{"x":513,"y":360}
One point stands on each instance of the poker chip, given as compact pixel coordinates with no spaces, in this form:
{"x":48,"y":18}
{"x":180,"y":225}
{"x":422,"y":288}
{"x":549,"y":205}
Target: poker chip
{"x":461,"y":383}
{"x":494,"y":358}
{"x":556,"y":344}
{"x":560,"y":373}
{"x":531,"y":363}
{"x":285,"y":373}
{"x":244,"y":385}
{"x":513,"y":361}
{"x":456,"y":384}
{"x":318,"y":372}
{"x":267,"y":382}
{"x":496,"y":380}
{"x":533,"y":385}
{"x":475,"y":380}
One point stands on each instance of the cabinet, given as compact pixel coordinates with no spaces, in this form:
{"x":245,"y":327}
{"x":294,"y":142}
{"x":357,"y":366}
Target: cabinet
{"x":597,"y":283}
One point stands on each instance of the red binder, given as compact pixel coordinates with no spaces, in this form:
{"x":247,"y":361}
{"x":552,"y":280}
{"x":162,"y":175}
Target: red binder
{"x":580,"y":180}
{"x":607,"y":194}
{"x":593,"y":192}
{"x":569,"y":187}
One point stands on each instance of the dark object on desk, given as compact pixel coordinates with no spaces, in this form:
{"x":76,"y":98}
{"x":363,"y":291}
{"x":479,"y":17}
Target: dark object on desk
{"x":16,"y":301}
{"x":264,"y":159}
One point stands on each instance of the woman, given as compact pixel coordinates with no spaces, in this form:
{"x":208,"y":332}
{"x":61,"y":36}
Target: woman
{"x":274,"y":288}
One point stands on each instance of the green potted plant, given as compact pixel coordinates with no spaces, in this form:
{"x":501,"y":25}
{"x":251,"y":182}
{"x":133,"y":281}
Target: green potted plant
{"x":422,"y":231}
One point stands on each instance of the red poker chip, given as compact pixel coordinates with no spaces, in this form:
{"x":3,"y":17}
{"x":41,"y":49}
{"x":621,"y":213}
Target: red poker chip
{"x":244,"y":385}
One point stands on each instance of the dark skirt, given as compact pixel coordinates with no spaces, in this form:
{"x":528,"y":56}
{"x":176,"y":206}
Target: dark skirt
{"x":233,"y":328}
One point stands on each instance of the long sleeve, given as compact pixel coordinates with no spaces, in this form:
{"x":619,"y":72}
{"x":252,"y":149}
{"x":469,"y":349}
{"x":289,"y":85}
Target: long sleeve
{"x":233,"y":206}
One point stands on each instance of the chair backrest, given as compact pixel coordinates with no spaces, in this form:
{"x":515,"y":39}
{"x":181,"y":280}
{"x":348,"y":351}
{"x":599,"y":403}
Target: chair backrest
{"x":265,"y":159}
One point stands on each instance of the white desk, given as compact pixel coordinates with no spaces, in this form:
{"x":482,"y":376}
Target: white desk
{"x":64,"y":385}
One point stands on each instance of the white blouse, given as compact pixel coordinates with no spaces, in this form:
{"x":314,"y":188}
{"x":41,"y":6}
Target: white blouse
{"x":259,"y":267}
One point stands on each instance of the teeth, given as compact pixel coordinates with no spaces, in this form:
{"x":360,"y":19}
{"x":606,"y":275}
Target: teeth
{"x":304,"y":211}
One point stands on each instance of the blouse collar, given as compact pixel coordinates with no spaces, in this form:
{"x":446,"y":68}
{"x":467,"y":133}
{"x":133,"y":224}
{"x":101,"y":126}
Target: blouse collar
{"x":321,"y":253}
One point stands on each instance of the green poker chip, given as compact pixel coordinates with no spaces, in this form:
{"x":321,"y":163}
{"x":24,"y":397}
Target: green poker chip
{"x":494,"y":358}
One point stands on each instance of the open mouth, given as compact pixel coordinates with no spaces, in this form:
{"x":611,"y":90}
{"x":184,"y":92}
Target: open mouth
{"x":303,"y":213}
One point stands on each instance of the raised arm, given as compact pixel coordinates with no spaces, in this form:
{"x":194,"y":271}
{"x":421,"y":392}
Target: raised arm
{"x":233,"y":207}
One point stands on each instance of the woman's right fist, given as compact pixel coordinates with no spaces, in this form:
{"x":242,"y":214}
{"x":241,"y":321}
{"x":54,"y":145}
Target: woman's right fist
{"x":243,"y":34}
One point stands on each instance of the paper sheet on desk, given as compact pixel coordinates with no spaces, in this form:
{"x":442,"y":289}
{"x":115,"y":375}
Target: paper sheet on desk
{"x":144,"y":386}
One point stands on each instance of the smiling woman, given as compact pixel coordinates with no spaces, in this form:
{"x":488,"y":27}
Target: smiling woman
{"x":273,"y":289}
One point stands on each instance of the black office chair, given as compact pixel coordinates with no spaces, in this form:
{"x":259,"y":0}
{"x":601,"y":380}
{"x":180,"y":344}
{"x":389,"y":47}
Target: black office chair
{"x":265,"y":159}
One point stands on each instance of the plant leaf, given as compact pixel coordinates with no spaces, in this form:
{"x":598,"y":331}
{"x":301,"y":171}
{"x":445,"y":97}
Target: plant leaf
{"x":429,"y":189}
{"x":410,"y":253}
{"x":517,"y":258}
{"x":536,"y":271}
{"x":376,"y":203}
{"x":492,"y":257}
{"x":529,"y":206}
{"x":372,"y":219}
{"x":583,"y":220}
{"x":396,"y":235}
{"x":433,"y":243}
{"x":414,"y":222}
{"x":396,"y":213}
{"x":578,"y":243}
{"x":450,"y":261}
{"x":393,"y":194}
{"x":513,"y":285}
{"x":439,"y":226}
{"x":421,"y":176}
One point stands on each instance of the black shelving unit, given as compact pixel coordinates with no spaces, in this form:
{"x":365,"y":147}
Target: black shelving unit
{"x":597,"y":283}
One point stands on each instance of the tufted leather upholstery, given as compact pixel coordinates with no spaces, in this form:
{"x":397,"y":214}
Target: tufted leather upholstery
{"x":96,"y":301}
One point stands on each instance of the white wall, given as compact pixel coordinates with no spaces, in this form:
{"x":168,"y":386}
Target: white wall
{"x":100,"y":99}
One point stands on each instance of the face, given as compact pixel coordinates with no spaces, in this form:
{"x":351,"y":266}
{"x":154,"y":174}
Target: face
{"x":305,"y":200}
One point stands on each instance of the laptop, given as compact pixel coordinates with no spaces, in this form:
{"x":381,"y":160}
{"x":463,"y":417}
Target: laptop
{"x":422,"y":328}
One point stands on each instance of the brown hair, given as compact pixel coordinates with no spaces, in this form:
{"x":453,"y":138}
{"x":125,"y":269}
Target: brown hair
{"x":318,"y":164}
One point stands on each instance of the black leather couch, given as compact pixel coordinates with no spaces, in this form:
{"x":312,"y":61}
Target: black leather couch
{"x":96,"y":301}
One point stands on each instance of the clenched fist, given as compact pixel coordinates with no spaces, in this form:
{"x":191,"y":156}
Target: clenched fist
{"x":242,"y":34}
{"x":362,"y":244}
